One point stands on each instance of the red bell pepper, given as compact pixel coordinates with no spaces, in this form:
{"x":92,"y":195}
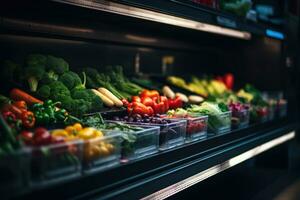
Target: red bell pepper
{"x":166,"y":103}
{"x":149,"y":93}
{"x":150,"y":111}
{"x":9,"y":117}
{"x":175,"y":103}
{"x":135,"y":99}
{"x":147,"y":101}
{"x":28,"y":119}
{"x":229,"y":80}
{"x":12,"y":120}
{"x":139,"y":108}
{"x":159,"y":106}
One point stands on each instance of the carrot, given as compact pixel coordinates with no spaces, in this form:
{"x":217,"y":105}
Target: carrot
{"x":19,"y":95}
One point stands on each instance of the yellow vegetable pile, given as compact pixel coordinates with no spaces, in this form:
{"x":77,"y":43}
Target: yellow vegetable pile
{"x":203,"y":87}
{"x":94,"y":146}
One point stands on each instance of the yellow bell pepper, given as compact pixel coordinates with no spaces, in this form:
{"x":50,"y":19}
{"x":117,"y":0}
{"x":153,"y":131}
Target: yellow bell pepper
{"x":71,"y":130}
{"x":98,"y":133}
{"x":77,"y":126}
{"x":60,"y":132}
{"x":87,"y":133}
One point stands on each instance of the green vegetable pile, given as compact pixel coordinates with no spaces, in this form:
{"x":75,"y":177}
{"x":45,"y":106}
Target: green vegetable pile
{"x":216,"y":118}
{"x":51,"y":78}
{"x":47,"y":113}
{"x":114,"y":80}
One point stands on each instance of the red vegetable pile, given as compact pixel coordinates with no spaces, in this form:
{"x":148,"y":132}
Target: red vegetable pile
{"x":150,"y":102}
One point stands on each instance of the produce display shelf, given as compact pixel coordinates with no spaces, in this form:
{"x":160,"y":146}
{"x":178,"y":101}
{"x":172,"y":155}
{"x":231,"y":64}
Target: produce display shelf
{"x":183,"y":14}
{"x":168,"y":172}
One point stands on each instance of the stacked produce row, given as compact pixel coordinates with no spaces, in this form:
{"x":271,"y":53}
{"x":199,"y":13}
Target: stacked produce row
{"x":55,"y":126}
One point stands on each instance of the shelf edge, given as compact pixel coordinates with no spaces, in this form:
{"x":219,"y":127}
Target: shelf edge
{"x":145,"y":14}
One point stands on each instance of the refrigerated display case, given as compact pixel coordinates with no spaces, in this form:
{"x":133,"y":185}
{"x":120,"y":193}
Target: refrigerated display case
{"x":153,"y":39}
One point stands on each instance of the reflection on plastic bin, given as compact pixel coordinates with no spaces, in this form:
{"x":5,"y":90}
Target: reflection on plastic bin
{"x":102,"y":153}
{"x":218,"y":124}
{"x":240,"y":119}
{"x":56,"y":162}
{"x":14,"y":173}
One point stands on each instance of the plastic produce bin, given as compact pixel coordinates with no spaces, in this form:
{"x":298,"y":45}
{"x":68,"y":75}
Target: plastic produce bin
{"x":218,"y":124}
{"x":56,"y":162}
{"x":171,"y":134}
{"x":282,"y":108}
{"x":259,"y":114}
{"x":196,"y":127}
{"x":14,"y":172}
{"x":138,"y":144}
{"x":240,"y":119}
{"x":271,"y":111}
{"x":102,"y":152}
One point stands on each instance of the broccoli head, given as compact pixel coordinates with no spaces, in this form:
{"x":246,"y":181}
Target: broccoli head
{"x":80,"y":107}
{"x":66,"y":102}
{"x":82,"y":94}
{"x":47,"y":79}
{"x":58,"y":89}
{"x":97,"y":103}
{"x":36,"y":60}
{"x":76,"y":107}
{"x":34,"y":70}
{"x":44,"y":92}
{"x":57,"y":65}
{"x":70,"y":79}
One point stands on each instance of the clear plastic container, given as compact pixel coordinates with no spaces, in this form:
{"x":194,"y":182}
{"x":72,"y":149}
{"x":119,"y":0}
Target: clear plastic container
{"x":218,"y":124}
{"x":56,"y":162}
{"x":171,"y":134}
{"x":259,"y":114}
{"x":139,"y":143}
{"x":14,"y":173}
{"x":282,"y":108}
{"x":271,"y":111}
{"x":240,"y":119}
{"x":196,"y":127}
{"x":102,"y":152}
